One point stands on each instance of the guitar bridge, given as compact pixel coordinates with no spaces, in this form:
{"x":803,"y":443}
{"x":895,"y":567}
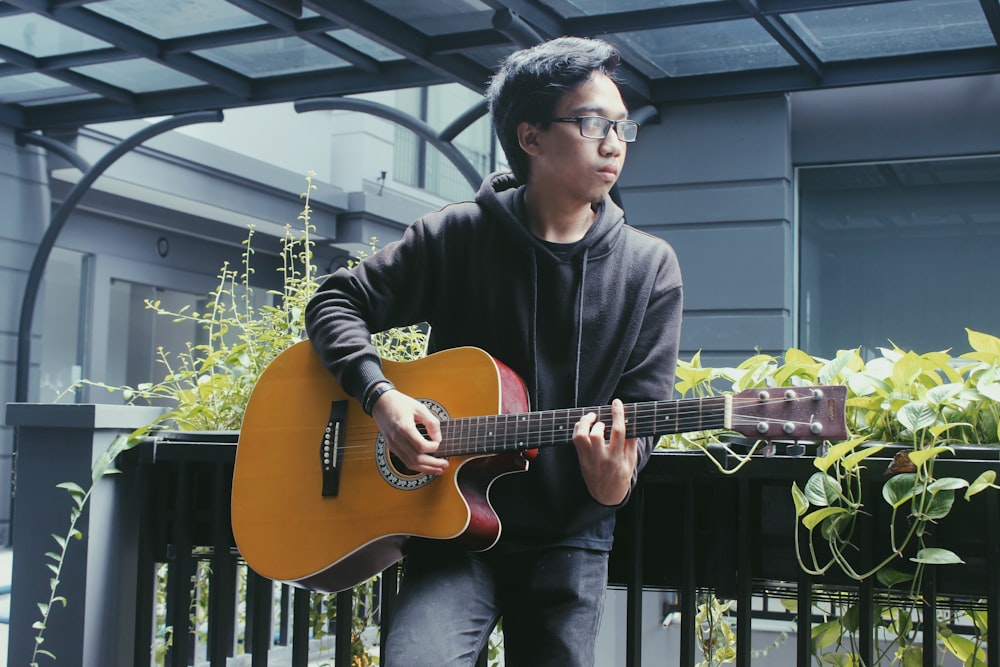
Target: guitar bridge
{"x":331,"y":451}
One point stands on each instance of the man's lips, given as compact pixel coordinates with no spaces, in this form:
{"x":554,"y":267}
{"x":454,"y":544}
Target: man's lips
{"x":608,"y":171}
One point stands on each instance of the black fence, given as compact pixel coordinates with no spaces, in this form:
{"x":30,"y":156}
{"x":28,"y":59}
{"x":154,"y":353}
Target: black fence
{"x":688,"y":529}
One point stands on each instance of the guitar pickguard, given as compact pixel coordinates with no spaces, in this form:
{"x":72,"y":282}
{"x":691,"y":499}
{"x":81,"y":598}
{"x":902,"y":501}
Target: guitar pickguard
{"x":397,"y":475}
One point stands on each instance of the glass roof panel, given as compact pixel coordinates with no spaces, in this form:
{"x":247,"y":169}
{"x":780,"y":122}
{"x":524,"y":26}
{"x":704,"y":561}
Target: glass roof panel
{"x":40,"y":37}
{"x":138,"y":75}
{"x":441,"y":16}
{"x":708,"y":48}
{"x":166,"y":19}
{"x":490,"y":57}
{"x":892,"y":29}
{"x":364,"y":45}
{"x":598,"y":7}
{"x":21,"y":88}
{"x":287,"y":55}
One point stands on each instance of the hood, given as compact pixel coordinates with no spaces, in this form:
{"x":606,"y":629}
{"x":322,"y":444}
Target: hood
{"x":503,"y":197}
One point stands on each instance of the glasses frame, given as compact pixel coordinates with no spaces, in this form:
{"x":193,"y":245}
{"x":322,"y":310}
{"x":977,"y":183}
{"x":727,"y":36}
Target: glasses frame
{"x":619,"y":125}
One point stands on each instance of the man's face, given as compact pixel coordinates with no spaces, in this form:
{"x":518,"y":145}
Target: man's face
{"x":567,"y":164}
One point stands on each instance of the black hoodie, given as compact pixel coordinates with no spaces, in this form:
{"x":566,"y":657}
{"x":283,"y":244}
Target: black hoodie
{"x":581,"y":323}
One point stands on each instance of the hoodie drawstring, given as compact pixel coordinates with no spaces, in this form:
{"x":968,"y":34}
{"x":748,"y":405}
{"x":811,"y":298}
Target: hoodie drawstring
{"x":533,"y":332}
{"x":579,"y":332}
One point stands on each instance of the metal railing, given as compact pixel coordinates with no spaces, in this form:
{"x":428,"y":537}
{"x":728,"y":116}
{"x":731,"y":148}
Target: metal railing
{"x":688,"y":529}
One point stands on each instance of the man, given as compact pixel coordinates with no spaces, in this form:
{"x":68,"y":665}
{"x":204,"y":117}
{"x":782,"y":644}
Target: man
{"x":542,"y":272}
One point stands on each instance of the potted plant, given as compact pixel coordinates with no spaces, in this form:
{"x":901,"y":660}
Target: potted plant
{"x":936,"y":417}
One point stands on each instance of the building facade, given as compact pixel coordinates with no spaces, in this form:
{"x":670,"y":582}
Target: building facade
{"x":823,"y":219}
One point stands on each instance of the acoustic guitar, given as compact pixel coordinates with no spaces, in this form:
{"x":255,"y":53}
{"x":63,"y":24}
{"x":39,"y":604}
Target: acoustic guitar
{"x":319,"y":502}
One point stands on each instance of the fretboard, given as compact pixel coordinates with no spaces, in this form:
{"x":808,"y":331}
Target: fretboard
{"x":493,"y":434}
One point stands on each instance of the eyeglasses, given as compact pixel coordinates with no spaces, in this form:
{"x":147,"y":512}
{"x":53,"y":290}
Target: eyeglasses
{"x":597,"y":127}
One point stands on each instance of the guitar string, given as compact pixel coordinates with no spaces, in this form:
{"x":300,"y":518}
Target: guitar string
{"x":684,"y":420}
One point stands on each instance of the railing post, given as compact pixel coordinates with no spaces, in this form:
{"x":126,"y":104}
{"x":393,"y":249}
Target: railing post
{"x":58,"y":443}
{"x":688,"y":601}
{"x":633,"y":614}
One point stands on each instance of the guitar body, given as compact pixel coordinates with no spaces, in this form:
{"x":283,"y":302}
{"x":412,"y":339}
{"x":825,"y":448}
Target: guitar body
{"x":288,"y":530}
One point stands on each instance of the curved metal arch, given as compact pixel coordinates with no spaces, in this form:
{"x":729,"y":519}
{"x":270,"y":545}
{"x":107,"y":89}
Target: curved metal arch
{"x":419,"y":127}
{"x":58,"y":221}
{"x":57,"y":147}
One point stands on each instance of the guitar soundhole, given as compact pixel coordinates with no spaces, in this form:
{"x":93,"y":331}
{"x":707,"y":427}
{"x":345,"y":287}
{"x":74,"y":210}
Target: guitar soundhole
{"x":392,"y":469}
{"x":400,"y":467}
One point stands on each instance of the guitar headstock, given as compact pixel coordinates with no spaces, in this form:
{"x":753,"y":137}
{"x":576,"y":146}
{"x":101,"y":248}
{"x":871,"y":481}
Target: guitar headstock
{"x":791,"y":413}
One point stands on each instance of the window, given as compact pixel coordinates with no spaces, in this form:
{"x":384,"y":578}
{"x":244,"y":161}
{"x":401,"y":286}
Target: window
{"x":62,"y":307}
{"x":138,"y":332}
{"x":420,"y":165}
{"x":898,"y":251}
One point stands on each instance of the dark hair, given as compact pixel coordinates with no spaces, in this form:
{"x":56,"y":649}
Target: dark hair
{"x":531,"y":82}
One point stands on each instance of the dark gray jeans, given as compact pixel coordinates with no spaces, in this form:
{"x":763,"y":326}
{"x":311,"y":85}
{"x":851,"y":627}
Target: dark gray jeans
{"x":449,"y":600}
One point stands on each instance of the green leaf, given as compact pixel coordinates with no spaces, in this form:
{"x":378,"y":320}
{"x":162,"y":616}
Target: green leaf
{"x":913,"y":656}
{"x":921,"y":456}
{"x":983,"y":482}
{"x":813,"y":519}
{"x":799,"y":498}
{"x":837,"y":452}
{"x":825,"y":634}
{"x":940,"y":505}
{"x":822,"y":489}
{"x":852,"y":461}
{"x":899,"y":488}
{"x":936,"y":556}
{"x":962,"y":647}
{"x":916,"y":415}
{"x":851,"y":620}
{"x":889,"y":577}
{"x":981,"y":342}
{"x":74,"y":489}
{"x":947,"y":484}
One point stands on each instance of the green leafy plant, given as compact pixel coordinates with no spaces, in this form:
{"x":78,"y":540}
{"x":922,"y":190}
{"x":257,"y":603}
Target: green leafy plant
{"x":206,"y":387}
{"x":929,"y":403}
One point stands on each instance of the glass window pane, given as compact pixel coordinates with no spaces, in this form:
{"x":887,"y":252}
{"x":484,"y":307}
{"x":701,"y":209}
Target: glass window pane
{"x":60,"y":308}
{"x":273,"y":57}
{"x":894,"y":28}
{"x":31,"y":87}
{"x":166,"y":19}
{"x":138,"y":76}
{"x":708,"y":48}
{"x":362,"y":44}
{"x":41,"y":37}
{"x":592,"y":7}
{"x":140,"y":332}
{"x":902,"y":252}
{"x":440,"y":16}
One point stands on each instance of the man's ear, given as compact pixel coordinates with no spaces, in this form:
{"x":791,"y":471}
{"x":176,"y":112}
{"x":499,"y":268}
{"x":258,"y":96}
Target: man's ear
{"x":528,"y":136}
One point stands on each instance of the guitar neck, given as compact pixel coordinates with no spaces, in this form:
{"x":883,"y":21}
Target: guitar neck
{"x":493,"y":434}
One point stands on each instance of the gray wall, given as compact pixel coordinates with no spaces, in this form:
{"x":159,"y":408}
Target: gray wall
{"x":715,"y":180}
{"x":24,"y":213}
{"x":913,"y":120}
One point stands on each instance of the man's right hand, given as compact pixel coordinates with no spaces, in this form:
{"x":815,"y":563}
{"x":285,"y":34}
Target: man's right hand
{"x":398,"y":416}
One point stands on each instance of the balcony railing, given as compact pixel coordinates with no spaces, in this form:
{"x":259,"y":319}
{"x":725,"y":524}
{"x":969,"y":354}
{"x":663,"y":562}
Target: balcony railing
{"x":688,"y":529}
